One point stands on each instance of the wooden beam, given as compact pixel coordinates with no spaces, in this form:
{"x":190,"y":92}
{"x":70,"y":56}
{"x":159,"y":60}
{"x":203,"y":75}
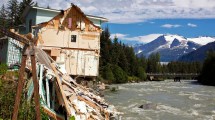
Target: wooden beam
{"x":91,"y":104}
{"x":36,"y":88}
{"x":19,"y":87}
{"x":61,"y":89}
{"x":52,"y":114}
{"x":13,"y":35}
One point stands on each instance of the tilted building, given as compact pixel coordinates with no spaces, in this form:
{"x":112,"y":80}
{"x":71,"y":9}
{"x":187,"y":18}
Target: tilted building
{"x":70,"y":37}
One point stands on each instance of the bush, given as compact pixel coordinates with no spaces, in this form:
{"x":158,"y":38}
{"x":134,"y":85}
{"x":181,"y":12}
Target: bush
{"x":141,"y":73}
{"x":133,"y":79}
{"x":119,"y":75}
{"x":7,"y":98}
{"x":8,"y":89}
{"x":107,"y":73}
{"x":3,"y":68}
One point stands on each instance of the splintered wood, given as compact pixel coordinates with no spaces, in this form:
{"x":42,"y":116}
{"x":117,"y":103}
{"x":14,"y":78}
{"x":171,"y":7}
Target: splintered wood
{"x":77,"y":100}
{"x":72,"y":19}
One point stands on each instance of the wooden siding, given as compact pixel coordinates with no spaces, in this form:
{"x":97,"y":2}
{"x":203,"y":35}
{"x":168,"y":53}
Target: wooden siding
{"x":84,"y":40}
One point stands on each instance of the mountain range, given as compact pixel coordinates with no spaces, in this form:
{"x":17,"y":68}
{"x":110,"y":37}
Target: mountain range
{"x":171,"y":47}
{"x":199,"y":54}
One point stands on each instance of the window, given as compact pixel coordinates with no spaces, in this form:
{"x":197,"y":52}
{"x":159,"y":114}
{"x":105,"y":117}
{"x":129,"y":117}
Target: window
{"x":73,"y":38}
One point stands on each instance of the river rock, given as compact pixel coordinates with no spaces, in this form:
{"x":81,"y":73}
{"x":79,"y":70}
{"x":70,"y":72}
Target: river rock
{"x":148,"y":106}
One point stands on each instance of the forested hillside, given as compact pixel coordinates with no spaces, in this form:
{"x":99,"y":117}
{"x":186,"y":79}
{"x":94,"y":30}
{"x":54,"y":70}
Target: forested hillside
{"x":208,"y":70}
{"x":118,"y":62}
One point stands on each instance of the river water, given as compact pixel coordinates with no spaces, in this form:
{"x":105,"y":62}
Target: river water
{"x":165,"y":100}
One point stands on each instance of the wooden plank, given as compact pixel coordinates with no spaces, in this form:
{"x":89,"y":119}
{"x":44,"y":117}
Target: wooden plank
{"x":19,"y":88}
{"x":46,"y":47}
{"x":55,"y":52}
{"x":61,"y":89}
{"x":66,"y":88}
{"x":13,"y":35}
{"x":91,"y":104}
{"x":52,"y":114}
{"x":59,"y":96}
{"x":107,"y":116}
{"x":36,"y":88}
{"x":39,"y":38}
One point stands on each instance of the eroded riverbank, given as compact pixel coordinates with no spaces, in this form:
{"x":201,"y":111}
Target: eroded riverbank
{"x":170,"y":100}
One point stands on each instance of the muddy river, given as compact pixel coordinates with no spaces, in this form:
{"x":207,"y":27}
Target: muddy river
{"x":165,"y":100}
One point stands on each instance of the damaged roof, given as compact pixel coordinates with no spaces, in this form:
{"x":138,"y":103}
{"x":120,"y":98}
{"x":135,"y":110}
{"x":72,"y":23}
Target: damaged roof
{"x":28,"y":8}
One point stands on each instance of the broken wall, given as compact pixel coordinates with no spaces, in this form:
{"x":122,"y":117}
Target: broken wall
{"x":70,"y":39}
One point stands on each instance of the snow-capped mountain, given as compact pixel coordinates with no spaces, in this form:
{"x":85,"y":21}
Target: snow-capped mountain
{"x":202,"y":40}
{"x":171,"y":47}
{"x":199,"y":54}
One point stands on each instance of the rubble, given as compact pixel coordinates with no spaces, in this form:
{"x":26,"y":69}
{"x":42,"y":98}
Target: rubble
{"x":78,"y":100}
{"x":51,"y":85}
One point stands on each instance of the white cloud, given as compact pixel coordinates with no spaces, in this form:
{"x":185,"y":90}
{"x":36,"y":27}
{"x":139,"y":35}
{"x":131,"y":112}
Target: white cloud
{"x":152,"y":22}
{"x":118,"y":35}
{"x":142,"y":39}
{"x":191,"y":25}
{"x":130,"y":11}
{"x":170,"y":25}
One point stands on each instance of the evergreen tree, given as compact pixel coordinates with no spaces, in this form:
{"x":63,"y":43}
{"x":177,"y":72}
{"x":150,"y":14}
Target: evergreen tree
{"x":115,"y":51}
{"x":3,"y":17}
{"x":143,"y":62}
{"x":48,"y":7}
{"x":132,"y":62}
{"x":153,"y":65}
{"x":36,"y":4}
{"x":208,"y":71}
{"x":121,"y":58}
{"x":141,"y":73}
{"x":123,"y":62}
{"x":106,"y":45}
{"x":107,"y":73}
{"x":13,"y":14}
{"x":119,"y":75}
{"x":23,"y":5}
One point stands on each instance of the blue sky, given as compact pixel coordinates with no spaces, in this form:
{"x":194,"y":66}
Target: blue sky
{"x":139,"y":20}
{"x":188,"y":28}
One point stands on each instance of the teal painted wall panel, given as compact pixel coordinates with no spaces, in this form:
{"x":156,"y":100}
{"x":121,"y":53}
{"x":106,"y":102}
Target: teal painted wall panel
{"x":3,"y":50}
{"x":30,"y":16}
{"x":44,"y":16}
{"x":13,"y":52}
{"x":96,"y":21}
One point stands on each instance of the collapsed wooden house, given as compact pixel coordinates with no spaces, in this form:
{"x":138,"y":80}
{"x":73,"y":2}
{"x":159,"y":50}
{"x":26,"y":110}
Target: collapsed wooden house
{"x":73,"y":41}
{"x":61,"y":97}
{"x":66,"y":45}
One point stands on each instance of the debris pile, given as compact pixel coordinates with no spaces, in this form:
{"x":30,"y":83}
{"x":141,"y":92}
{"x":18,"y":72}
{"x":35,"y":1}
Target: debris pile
{"x":77,"y":100}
